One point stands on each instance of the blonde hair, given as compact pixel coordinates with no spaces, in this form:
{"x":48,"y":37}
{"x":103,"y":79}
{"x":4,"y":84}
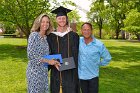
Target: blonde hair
{"x":37,"y":22}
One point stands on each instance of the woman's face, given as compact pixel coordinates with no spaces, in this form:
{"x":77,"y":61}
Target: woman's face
{"x":45,"y":23}
{"x":61,"y":21}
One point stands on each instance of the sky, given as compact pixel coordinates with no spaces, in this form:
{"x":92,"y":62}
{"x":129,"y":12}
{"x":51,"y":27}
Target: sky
{"x":84,"y":4}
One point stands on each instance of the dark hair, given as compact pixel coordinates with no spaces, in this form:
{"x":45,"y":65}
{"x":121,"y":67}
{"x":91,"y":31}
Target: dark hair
{"x":87,"y":24}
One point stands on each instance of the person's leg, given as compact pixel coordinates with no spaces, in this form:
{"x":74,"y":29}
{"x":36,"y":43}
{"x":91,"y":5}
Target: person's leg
{"x":93,"y":85}
{"x":84,"y":86}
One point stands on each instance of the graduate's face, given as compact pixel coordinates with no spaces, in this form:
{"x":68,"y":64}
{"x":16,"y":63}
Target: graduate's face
{"x":44,"y":23}
{"x":61,"y":21}
{"x":86,"y":31}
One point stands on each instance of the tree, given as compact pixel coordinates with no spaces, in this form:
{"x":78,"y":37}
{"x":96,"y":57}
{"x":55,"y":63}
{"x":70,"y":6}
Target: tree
{"x":132,"y":23}
{"x":97,"y":12}
{"x":118,"y":9}
{"x":22,"y":12}
{"x":73,"y":15}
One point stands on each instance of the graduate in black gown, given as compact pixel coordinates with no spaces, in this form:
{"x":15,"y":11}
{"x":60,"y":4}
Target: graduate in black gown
{"x":65,"y":42}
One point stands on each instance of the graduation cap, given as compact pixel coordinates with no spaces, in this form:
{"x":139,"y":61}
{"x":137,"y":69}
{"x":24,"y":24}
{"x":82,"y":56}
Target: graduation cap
{"x":61,"y":11}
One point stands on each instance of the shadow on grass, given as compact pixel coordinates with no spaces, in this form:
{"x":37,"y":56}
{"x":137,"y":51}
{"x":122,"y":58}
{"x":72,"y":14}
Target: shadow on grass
{"x":132,"y":41}
{"x":13,"y":51}
{"x":125,"y":53}
{"x":119,"y":80}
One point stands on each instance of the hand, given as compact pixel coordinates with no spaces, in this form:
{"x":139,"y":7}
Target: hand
{"x":52,"y":62}
{"x":57,"y":65}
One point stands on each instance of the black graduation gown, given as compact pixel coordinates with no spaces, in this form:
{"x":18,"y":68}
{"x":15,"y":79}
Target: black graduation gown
{"x":70,"y":81}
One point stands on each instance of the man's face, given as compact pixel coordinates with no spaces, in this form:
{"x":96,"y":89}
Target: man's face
{"x":61,"y":21}
{"x":86,"y":31}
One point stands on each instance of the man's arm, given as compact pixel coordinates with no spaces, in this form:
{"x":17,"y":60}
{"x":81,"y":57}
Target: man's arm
{"x":105,"y":56}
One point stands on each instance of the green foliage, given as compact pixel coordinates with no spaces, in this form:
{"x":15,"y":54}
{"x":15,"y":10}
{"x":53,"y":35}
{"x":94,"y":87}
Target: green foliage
{"x":21,"y":13}
{"x":132,"y":19}
{"x":132,"y":23}
{"x":111,"y":13}
{"x":9,"y":28}
{"x":108,"y":36}
{"x":11,"y":31}
{"x":78,"y":26}
{"x":73,"y":15}
{"x":96,"y":14}
{"x":117,"y":14}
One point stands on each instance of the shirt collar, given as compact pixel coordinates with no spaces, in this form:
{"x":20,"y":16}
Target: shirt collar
{"x":61,"y":34}
{"x":93,"y":41}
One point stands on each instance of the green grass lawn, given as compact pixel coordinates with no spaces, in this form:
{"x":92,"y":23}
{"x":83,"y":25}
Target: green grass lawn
{"x":122,"y":75}
{"x":13,"y":62}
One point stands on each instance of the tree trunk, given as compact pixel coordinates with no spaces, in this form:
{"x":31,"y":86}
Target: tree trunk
{"x":118,"y":30}
{"x":123,"y":34}
{"x":26,"y":32}
{"x":138,"y":36}
{"x":100,"y":27}
{"x":117,"y":33}
{"x":100,"y":32}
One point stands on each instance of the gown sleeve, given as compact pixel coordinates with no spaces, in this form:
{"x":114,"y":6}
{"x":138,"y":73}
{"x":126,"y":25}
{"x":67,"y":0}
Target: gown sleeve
{"x":75,"y":47}
{"x":49,"y":39}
